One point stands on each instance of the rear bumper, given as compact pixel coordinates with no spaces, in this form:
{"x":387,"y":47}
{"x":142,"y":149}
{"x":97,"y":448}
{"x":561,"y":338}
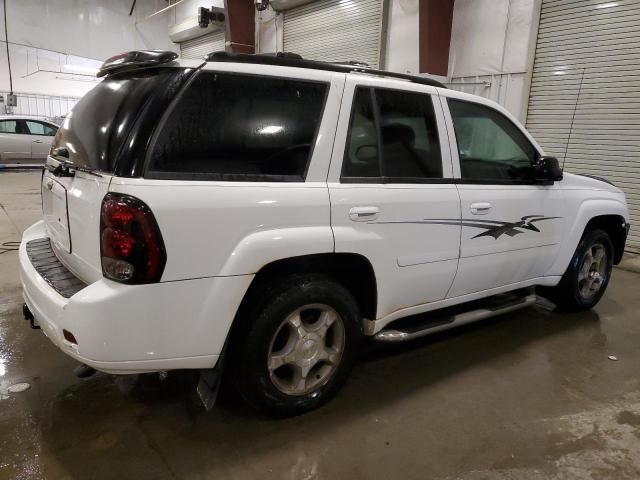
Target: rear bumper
{"x":135,"y":328}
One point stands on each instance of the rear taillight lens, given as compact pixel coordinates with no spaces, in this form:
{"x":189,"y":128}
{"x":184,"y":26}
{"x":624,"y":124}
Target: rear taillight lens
{"x":131,"y":246}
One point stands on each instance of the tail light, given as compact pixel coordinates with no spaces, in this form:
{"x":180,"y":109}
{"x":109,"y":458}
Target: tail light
{"x":131,"y":245}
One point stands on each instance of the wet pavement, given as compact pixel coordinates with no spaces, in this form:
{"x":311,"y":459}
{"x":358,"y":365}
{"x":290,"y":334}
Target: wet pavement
{"x":528,"y":395}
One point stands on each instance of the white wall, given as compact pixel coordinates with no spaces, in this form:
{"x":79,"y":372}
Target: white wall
{"x":189,"y":8}
{"x":269,"y":28}
{"x":87,"y":28}
{"x":402,"y":43}
{"x":492,"y":43}
{"x":48,"y":34}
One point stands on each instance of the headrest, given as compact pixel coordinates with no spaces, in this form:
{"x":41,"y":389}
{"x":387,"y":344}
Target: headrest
{"x":396,"y":132}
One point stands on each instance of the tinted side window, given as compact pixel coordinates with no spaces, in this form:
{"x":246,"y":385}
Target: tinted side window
{"x":8,"y":126}
{"x":410,"y":145}
{"x":490,"y":146}
{"x":240,"y":127}
{"x":361,"y":158}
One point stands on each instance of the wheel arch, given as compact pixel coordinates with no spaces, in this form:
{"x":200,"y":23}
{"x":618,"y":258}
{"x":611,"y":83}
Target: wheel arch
{"x":607,"y":213}
{"x":614,"y":225}
{"x":353,"y":271}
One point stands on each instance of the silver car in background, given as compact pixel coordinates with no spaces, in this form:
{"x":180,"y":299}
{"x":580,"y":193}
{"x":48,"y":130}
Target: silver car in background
{"x":25,"y":139}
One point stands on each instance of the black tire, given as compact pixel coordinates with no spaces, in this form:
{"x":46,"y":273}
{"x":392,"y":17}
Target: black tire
{"x":264,"y":318}
{"x":569,"y":294}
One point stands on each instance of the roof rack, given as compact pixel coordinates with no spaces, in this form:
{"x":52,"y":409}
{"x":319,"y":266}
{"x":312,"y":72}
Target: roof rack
{"x":288,"y":59}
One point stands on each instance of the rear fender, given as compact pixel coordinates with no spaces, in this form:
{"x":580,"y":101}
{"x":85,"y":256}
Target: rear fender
{"x":261,"y":248}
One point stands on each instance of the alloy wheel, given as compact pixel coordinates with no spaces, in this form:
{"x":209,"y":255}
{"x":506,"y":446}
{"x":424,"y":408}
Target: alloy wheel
{"x":593,"y":271}
{"x":306,"y":349}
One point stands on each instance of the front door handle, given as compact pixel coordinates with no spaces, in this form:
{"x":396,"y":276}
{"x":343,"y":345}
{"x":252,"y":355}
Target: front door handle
{"x":363,"y":214}
{"x":482,"y":208}
{"x":37,"y":141}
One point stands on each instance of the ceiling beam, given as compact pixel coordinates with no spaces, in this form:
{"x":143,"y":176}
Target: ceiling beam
{"x":435,"y":20}
{"x":240,"y":26}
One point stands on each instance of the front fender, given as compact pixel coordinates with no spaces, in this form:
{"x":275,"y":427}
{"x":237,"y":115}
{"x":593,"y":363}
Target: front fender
{"x":587,"y":210}
{"x":261,"y":248}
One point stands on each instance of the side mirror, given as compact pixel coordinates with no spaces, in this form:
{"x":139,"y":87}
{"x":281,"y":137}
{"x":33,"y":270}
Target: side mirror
{"x":547,"y":169}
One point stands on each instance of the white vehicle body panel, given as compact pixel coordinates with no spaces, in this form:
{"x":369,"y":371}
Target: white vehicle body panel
{"x":402,"y":251}
{"x":218,"y":235}
{"x":487,"y":262}
{"x":78,"y":248}
{"x":247,"y":224}
{"x":136,"y":328}
{"x":40,"y":146}
{"x":15,"y":147}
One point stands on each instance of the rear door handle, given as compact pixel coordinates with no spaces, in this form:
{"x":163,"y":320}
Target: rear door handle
{"x":37,"y":141}
{"x":482,"y":208}
{"x":363,"y":214}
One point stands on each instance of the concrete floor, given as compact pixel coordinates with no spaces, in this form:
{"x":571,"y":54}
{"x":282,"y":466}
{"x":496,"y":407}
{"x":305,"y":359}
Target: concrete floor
{"x":529,"y":395}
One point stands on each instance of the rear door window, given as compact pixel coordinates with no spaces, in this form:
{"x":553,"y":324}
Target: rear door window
{"x":410,"y":144}
{"x":240,"y":128}
{"x":8,"y":126}
{"x":361,"y":159}
{"x":393,"y":138}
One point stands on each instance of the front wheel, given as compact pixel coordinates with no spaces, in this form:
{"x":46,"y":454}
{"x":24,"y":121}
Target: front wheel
{"x":299,"y":345}
{"x":587,"y":276}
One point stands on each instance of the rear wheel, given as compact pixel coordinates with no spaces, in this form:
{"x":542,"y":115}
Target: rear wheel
{"x":588,"y":274}
{"x":298,"y":345}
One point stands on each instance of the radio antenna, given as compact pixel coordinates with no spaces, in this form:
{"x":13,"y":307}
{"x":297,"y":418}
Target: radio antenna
{"x":573,"y":117}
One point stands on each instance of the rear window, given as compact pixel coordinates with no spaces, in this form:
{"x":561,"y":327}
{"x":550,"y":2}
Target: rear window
{"x":98,"y":126}
{"x":240,"y":127}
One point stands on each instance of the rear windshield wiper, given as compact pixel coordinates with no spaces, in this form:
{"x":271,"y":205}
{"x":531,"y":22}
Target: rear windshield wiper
{"x":68,"y":169}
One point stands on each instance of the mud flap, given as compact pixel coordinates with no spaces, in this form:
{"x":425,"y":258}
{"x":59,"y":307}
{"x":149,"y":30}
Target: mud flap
{"x":208,"y":387}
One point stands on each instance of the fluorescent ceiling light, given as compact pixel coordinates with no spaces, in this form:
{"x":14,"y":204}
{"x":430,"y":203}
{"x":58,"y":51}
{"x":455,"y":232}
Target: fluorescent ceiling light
{"x":608,"y":5}
{"x":271,"y":129}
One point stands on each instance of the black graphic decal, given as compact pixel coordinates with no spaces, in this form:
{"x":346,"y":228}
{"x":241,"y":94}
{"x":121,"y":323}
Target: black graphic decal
{"x":492,"y":228}
{"x":513,"y":228}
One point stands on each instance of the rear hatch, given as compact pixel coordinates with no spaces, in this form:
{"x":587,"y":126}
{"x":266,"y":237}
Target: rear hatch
{"x":105,"y":135}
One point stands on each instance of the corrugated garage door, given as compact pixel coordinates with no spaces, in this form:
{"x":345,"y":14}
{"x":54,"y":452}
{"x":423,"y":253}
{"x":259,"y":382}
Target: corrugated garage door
{"x":335,"y":30}
{"x":587,"y":61}
{"x":198,"y":48}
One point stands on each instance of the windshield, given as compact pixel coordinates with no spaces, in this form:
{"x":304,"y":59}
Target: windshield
{"x":95,"y":131}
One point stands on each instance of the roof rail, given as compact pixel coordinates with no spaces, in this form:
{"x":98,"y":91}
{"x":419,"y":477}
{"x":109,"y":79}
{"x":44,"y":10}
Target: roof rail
{"x":288,"y":59}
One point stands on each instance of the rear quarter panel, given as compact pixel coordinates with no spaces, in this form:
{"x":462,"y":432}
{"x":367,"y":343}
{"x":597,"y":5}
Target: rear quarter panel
{"x":233,"y":228}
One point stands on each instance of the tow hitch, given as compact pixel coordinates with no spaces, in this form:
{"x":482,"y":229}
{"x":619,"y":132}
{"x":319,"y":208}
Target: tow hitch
{"x":26,"y":313}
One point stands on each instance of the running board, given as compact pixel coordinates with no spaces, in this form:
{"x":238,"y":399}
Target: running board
{"x":417,"y":326}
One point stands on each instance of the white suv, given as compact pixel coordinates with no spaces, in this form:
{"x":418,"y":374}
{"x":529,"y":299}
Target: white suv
{"x":274,"y":212}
